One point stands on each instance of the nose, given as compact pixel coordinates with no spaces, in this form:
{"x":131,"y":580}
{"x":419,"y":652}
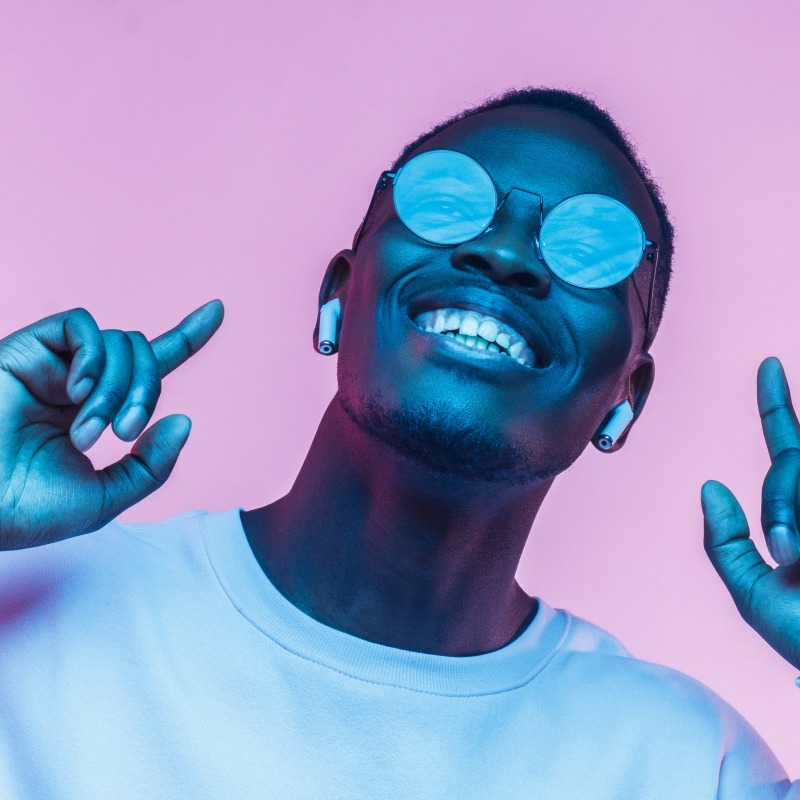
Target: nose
{"x":507,"y":251}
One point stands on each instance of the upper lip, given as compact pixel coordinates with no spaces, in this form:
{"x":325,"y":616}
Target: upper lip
{"x":484,"y":301}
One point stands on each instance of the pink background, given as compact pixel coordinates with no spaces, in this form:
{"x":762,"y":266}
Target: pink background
{"x":154,"y":155}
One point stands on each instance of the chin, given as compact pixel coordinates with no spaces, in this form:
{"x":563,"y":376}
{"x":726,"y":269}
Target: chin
{"x":448,"y":439}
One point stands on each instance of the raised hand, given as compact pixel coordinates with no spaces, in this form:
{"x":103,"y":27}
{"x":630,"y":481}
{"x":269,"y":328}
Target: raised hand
{"x":767,"y":598}
{"x":62,"y":382}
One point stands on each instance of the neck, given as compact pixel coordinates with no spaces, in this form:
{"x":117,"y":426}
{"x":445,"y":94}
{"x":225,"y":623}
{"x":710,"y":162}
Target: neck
{"x":375,"y":545}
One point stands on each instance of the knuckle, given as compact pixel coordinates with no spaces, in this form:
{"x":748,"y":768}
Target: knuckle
{"x":80,"y":313}
{"x":146,"y":471}
{"x":80,"y":322}
{"x":115,"y":335}
{"x":93,"y":352}
{"x":109,"y":399}
{"x":143,"y":350}
{"x":147,"y":389}
{"x":781,"y":408}
{"x":791,"y":454}
{"x":774,"y":505}
{"x":162,"y":361}
{"x":184,"y":345}
{"x":773,"y":409}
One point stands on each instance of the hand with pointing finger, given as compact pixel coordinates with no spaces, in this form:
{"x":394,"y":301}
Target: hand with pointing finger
{"x":62,"y":382}
{"x":767,"y":598}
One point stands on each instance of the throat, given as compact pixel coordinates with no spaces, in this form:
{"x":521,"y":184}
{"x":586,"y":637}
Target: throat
{"x":369,"y":543}
{"x":390,"y":600}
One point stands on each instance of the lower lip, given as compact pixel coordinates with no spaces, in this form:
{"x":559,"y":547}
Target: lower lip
{"x":485,"y":358}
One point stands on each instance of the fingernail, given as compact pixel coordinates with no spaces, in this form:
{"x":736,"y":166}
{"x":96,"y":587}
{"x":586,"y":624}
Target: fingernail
{"x":783,"y":544}
{"x":88,"y":433}
{"x":131,"y":421}
{"x":82,"y":389}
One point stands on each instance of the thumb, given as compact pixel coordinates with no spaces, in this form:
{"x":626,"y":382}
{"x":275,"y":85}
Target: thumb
{"x":145,"y":468}
{"x":728,"y":544}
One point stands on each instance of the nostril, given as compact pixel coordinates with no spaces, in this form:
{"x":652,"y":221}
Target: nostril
{"x":527,"y":280}
{"x":474,"y":263}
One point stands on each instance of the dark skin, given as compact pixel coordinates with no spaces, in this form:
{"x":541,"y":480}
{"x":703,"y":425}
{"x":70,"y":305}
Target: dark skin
{"x":408,"y":518}
{"x":406,"y":523}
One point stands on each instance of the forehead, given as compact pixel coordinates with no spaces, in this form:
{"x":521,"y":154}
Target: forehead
{"x":548,"y":151}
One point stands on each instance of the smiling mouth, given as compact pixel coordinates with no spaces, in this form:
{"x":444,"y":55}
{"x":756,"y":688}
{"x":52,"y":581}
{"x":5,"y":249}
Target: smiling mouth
{"x":479,"y":332}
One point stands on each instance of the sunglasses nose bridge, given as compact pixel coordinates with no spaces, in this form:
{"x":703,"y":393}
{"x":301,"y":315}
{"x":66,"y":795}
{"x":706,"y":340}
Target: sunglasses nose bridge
{"x":532,"y":209}
{"x":508,"y":251}
{"x":532,"y":213}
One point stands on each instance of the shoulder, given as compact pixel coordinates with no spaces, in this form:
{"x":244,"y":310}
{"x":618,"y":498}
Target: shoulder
{"x":670,"y":720}
{"x":649,"y":694}
{"x":97,"y":561}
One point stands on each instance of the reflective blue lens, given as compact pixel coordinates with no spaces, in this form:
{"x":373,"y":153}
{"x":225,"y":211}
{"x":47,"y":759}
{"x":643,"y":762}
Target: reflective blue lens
{"x":592,"y":241}
{"x":444,"y":197}
{"x":589,"y":240}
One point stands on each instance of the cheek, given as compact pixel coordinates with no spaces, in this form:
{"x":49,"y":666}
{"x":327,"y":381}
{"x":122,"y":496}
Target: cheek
{"x":604,"y":329}
{"x":587,"y":385}
{"x":367,"y":335}
{"x":372,"y":337}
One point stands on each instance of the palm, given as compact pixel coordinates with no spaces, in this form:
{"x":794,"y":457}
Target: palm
{"x":768,"y":598}
{"x":50,"y":484}
{"x":775,"y":611}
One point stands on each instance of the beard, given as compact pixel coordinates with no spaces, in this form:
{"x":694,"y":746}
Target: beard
{"x":432,"y":434}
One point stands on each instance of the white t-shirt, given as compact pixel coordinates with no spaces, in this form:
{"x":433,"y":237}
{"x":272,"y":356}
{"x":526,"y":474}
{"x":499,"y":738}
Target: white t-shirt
{"x":158,"y":662}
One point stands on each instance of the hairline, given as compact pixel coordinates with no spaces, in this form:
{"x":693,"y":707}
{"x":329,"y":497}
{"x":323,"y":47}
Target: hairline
{"x":585,"y":109}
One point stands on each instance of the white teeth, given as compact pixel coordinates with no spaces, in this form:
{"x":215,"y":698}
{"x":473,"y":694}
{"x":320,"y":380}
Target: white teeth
{"x":469,"y":326}
{"x":514,"y":349}
{"x":477,"y":330}
{"x":488,"y":330}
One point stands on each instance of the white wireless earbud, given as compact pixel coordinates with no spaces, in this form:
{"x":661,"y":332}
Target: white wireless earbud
{"x":329,"y":326}
{"x":620,"y":419}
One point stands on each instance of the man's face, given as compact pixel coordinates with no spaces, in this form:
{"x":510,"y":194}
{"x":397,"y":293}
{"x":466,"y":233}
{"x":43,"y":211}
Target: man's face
{"x":480,"y":416}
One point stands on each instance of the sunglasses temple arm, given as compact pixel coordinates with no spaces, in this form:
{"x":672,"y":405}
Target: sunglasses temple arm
{"x":382,"y":183}
{"x":650,"y":295}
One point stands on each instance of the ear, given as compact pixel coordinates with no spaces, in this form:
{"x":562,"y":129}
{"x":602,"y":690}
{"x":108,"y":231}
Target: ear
{"x":334,"y":284}
{"x":641,"y":382}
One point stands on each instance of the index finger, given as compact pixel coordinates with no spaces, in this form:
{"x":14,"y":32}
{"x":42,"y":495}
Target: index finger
{"x":187,"y":337}
{"x":778,"y":418}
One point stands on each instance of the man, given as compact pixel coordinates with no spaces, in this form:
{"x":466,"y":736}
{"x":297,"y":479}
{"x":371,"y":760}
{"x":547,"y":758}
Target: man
{"x":364,"y":635}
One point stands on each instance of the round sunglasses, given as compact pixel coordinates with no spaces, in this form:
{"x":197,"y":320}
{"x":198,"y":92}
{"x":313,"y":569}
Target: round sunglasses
{"x":446,"y":198}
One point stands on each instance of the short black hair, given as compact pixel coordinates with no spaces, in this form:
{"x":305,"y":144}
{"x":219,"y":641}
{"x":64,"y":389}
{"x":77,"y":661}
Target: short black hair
{"x":583,"y":106}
